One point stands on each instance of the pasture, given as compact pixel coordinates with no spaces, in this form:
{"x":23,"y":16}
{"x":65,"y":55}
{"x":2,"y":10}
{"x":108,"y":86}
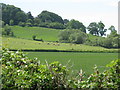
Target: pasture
{"x":24,"y":44}
{"x":85,"y":61}
{"x":47,"y":34}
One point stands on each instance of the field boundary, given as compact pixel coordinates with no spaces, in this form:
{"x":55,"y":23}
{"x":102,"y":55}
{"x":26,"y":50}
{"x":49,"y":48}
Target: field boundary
{"x":53,"y":50}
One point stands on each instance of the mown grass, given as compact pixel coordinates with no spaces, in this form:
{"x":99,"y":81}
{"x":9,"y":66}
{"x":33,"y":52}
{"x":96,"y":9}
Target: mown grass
{"x":85,"y":61}
{"x":16,"y":43}
{"x":46,"y":34}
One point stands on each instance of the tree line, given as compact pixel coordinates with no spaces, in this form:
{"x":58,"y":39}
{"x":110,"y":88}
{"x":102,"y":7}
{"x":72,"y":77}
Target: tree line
{"x":74,"y":31}
{"x":12,"y":15}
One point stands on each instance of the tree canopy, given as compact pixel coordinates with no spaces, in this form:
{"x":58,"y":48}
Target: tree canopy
{"x":46,"y":16}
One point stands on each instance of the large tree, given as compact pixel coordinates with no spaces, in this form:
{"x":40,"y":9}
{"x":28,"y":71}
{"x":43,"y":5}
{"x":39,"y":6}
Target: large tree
{"x":97,"y":29}
{"x":46,"y":16}
{"x":10,"y":12}
{"x":93,"y":28}
{"x":101,"y":28}
{"x":74,"y":24}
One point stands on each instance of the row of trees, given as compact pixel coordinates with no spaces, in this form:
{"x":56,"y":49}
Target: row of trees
{"x":15,"y":16}
{"x":79,"y":37}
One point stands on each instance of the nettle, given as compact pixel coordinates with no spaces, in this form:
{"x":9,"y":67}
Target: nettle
{"x":20,"y":72}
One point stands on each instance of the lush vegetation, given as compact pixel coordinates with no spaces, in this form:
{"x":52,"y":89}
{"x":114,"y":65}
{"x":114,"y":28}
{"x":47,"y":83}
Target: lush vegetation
{"x":20,"y":72}
{"x":15,"y":16}
{"x":65,"y":40}
{"x":23,"y":44}
{"x":77,"y":60}
{"x":47,"y":34}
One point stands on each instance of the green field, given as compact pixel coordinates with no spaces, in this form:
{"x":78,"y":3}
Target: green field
{"x":46,"y":34}
{"x":86,"y":61}
{"x":16,"y":43}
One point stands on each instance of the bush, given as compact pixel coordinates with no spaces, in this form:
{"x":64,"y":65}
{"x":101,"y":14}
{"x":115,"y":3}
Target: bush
{"x":20,"y":72}
{"x":7,"y":31}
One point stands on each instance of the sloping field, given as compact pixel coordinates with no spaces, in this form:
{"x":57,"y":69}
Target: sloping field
{"x":46,"y":34}
{"x":16,"y":43}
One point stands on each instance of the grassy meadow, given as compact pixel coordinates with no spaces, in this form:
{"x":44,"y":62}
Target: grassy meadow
{"x":46,"y":34}
{"x":24,"y":44}
{"x":85,"y":61}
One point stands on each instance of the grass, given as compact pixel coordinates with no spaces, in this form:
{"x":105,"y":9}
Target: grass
{"x":16,"y":43}
{"x":85,"y":61}
{"x":46,"y":34}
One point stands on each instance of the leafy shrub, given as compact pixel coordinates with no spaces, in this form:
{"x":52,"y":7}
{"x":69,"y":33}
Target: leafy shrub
{"x":20,"y":72}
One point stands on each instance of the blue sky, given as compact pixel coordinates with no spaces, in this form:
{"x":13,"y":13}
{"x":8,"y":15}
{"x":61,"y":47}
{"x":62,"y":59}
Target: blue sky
{"x":85,"y":11}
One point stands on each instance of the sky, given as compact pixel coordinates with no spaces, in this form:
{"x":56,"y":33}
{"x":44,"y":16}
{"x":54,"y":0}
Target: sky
{"x":85,"y":11}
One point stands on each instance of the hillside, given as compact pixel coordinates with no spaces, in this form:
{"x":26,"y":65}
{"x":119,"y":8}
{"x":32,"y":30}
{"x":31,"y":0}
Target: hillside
{"x":16,"y":43}
{"x":47,"y":34}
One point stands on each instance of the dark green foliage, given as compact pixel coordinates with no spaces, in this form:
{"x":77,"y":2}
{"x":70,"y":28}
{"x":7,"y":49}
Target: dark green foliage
{"x":97,"y":28}
{"x":74,"y":24}
{"x":65,"y":21}
{"x":20,"y":72}
{"x":46,"y":16}
{"x":29,"y":16}
{"x":56,"y":25}
{"x":93,"y":28}
{"x":101,"y":27}
{"x":10,"y":12}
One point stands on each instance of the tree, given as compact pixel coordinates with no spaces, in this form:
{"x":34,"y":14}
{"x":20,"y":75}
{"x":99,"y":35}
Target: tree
{"x":93,"y":28}
{"x":112,"y":28}
{"x":74,"y":24}
{"x":101,"y":27}
{"x":46,"y":16}
{"x":65,"y":21}
{"x":20,"y":17}
{"x":10,"y":12}
{"x":72,"y":36}
{"x":29,"y":16}
{"x":7,"y":31}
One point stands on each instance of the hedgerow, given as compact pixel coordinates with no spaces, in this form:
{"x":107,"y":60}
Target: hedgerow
{"x":20,"y":72}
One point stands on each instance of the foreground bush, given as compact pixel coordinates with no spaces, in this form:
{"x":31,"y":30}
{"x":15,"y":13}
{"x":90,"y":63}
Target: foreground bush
{"x":20,"y":72}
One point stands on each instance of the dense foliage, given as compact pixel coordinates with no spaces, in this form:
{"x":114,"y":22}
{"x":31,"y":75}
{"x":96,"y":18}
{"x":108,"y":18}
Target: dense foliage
{"x":74,"y":24}
{"x":20,"y":72}
{"x":97,"y":28}
{"x":12,"y":15}
{"x":7,"y":31}
{"x":72,"y":36}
